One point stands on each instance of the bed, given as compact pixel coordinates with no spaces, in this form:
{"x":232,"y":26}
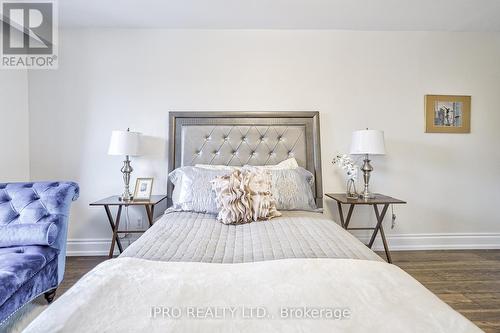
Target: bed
{"x":299,"y":272}
{"x":198,"y":237}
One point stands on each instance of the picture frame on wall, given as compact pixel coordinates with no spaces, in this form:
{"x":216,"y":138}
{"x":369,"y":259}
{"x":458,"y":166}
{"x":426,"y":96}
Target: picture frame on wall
{"x":143,"y":189}
{"x":447,"y":114}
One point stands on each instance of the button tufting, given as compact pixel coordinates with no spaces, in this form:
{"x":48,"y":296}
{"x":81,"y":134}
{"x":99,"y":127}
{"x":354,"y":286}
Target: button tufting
{"x":262,"y":138}
{"x":253,"y":153}
{"x":244,"y":138}
{"x":234,"y":152}
{"x":225,"y":138}
{"x":280,"y":138}
{"x":198,"y":152}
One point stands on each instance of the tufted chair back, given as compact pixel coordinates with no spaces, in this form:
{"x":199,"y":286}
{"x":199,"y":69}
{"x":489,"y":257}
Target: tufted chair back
{"x":40,"y":202}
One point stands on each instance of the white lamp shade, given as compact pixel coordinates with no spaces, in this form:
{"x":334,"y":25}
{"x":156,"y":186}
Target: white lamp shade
{"x":125,"y":143}
{"x":367,"y":142}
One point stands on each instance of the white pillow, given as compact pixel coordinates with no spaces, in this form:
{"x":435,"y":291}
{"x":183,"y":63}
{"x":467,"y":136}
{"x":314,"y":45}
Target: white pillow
{"x":290,"y":163}
{"x":217,"y":167}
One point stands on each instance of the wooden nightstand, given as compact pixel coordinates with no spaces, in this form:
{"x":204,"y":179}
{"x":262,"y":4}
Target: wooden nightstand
{"x":115,"y":200}
{"x":379,"y":199}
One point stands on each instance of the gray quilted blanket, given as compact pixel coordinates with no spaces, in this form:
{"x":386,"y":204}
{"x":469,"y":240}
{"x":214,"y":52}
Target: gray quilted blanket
{"x":196,"y":237}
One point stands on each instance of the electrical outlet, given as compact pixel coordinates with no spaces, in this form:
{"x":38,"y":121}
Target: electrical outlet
{"x":138,"y":223}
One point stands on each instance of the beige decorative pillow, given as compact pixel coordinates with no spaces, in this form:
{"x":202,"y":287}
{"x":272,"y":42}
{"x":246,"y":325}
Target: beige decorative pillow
{"x":244,"y":196}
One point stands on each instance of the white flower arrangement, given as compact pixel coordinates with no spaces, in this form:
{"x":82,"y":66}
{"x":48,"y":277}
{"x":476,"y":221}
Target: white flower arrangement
{"x":347,"y":163}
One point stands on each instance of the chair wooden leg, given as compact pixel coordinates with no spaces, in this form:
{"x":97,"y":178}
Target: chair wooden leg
{"x":50,"y":295}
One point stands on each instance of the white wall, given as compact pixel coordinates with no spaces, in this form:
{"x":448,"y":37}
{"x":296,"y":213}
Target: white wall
{"x":114,"y":79}
{"x":14,"y":129}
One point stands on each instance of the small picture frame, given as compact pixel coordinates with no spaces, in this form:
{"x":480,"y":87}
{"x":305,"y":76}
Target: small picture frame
{"x":447,"y":114}
{"x":143,"y":188}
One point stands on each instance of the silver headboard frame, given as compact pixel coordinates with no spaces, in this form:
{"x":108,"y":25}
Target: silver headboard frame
{"x":239,"y":138}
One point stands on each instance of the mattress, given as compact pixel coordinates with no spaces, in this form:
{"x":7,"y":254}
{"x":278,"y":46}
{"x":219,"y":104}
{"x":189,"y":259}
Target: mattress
{"x":197,"y":237}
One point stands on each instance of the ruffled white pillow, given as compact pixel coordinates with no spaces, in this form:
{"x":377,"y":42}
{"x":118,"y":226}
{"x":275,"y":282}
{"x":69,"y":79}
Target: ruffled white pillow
{"x":244,"y":196}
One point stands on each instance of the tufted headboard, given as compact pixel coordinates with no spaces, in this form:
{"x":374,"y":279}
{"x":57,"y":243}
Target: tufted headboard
{"x":240,"y":138}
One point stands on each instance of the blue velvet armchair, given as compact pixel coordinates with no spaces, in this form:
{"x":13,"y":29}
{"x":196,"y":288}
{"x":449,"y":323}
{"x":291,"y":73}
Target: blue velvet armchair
{"x":33,"y":230}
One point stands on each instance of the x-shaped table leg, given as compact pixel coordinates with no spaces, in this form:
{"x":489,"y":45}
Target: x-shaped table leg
{"x":378,"y":226}
{"x":380,"y":219}
{"x":345,"y":223}
{"x":150,"y":211}
{"x":114,"y":228}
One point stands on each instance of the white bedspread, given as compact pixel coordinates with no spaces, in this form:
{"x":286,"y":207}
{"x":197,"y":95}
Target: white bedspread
{"x":322,"y":295}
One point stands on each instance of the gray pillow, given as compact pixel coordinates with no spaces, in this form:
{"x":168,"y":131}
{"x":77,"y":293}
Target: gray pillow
{"x":292,"y":189}
{"x":193,"y":190}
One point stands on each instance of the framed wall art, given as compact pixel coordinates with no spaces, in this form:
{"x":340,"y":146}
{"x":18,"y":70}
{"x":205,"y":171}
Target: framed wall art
{"x":447,"y":114}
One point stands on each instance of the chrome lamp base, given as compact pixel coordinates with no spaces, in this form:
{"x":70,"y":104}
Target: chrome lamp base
{"x":126,"y":170}
{"x":367,"y":169}
{"x":367,"y":196}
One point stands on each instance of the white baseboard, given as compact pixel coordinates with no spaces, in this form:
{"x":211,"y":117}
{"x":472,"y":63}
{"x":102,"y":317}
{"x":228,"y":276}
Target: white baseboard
{"x":88,"y":247}
{"x":92,"y":247}
{"x":443,"y":241}
{"x":401,"y":242}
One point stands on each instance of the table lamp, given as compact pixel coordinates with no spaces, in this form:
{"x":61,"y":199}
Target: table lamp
{"x":367,"y":142}
{"x":125,"y":143}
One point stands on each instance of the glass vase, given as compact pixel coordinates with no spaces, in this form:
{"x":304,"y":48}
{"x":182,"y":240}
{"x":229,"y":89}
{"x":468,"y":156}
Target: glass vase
{"x":351,"y":189}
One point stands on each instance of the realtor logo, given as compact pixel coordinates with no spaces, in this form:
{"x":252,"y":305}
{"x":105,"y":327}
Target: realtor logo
{"x":29,"y":35}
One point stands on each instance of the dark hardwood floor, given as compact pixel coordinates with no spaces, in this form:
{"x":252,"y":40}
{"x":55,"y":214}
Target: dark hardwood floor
{"x":469,"y":281}
{"x":76,"y":267}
